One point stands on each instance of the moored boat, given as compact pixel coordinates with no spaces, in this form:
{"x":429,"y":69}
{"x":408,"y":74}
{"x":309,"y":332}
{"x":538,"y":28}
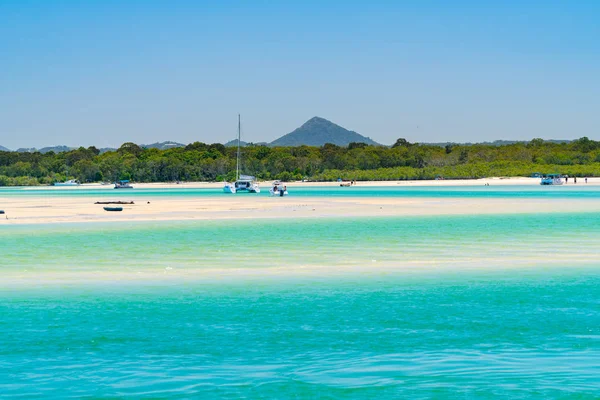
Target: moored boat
{"x":243,"y":183}
{"x":113,"y":208}
{"x":278,"y":189}
{"x":551,"y":179}
{"x":246,"y":183}
{"x":229,"y":187}
{"x":123,"y":184}
{"x":70,"y":182}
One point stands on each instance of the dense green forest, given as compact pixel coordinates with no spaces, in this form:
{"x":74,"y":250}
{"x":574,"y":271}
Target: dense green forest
{"x":215,"y":162}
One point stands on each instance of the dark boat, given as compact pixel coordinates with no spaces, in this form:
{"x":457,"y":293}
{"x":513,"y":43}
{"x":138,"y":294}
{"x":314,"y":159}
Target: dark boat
{"x":113,"y":208}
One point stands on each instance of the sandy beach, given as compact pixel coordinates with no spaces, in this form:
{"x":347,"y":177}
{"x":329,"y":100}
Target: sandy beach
{"x":41,"y":209}
{"x":495,"y":181}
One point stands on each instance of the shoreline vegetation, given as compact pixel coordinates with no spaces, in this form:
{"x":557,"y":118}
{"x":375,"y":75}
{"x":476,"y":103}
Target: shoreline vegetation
{"x":200,"y":162}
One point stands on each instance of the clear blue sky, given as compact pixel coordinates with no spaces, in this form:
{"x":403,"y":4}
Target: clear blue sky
{"x":105,"y":72}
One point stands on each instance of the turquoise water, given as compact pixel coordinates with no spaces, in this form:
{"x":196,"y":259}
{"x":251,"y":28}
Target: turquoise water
{"x":323,"y":244}
{"x":481,"y":191}
{"x":415,"y":307}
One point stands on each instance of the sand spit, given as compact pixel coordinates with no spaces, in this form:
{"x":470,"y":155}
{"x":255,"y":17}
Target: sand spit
{"x":40,"y":209}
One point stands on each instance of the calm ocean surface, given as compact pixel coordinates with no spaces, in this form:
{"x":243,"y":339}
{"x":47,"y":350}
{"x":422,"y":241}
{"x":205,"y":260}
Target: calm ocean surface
{"x":500,"y":191}
{"x":482,"y":306}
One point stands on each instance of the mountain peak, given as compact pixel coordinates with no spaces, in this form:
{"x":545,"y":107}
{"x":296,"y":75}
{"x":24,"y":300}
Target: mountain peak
{"x":315,"y":120}
{"x":317,"y":131}
{"x":319,"y":122}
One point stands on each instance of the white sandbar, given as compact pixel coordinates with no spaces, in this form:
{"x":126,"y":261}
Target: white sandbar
{"x":40,"y":209}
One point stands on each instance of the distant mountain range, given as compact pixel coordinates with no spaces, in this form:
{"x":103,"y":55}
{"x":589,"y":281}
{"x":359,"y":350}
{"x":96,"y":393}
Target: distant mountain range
{"x":60,"y":149}
{"x":315,"y":132}
{"x":158,"y":145}
{"x":494,"y":143}
{"x":56,"y":149}
{"x":163,"y":145}
{"x":233,"y":143}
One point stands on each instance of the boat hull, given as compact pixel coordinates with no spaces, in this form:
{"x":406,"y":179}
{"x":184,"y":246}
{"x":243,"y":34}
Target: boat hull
{"x":276,"y":193}
{"x":113,"y":208}
{"x":229,"y":188}
{"x":71,"y":182}
{"x":251,"y":190}
{"x":249,"y":186}
{"x":553,"y":182}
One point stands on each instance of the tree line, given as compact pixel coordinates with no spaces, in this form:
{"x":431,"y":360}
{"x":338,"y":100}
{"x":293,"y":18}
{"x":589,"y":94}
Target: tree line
{"x":357,"y":161}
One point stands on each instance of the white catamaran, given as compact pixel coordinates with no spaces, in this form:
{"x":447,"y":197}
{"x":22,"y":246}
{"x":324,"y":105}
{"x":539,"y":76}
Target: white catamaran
{"x":243,"y":183}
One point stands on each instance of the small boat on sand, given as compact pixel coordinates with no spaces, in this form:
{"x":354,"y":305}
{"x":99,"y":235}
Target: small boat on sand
{"x":113,"y":208}
{"x":70,"y":182}
{"x":123,"y":184}
{"x":551,"y":179}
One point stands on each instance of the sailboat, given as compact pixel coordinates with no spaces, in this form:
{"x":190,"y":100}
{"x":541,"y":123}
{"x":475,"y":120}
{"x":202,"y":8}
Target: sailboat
{"x":243,"y":183}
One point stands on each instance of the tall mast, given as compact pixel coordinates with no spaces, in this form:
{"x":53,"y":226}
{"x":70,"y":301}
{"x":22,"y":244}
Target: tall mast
{"x":237,"y":166}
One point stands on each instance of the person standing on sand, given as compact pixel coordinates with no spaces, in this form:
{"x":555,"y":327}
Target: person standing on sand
{"x":586,"y":179}
{"x":566,"y":178}
{"x":574,"y":179}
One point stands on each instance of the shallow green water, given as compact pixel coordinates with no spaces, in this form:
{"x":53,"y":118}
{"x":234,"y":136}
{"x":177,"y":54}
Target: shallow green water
{"x":419,"y":307}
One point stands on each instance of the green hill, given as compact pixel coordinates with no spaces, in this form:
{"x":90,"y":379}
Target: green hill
{"x":318,"y":131}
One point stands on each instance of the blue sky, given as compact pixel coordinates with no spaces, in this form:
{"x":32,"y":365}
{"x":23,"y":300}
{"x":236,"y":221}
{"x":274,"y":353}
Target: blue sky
{"x":106,"y":72}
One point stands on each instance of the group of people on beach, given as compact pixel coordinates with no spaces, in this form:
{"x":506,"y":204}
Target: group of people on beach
{"x":574,"y":179}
